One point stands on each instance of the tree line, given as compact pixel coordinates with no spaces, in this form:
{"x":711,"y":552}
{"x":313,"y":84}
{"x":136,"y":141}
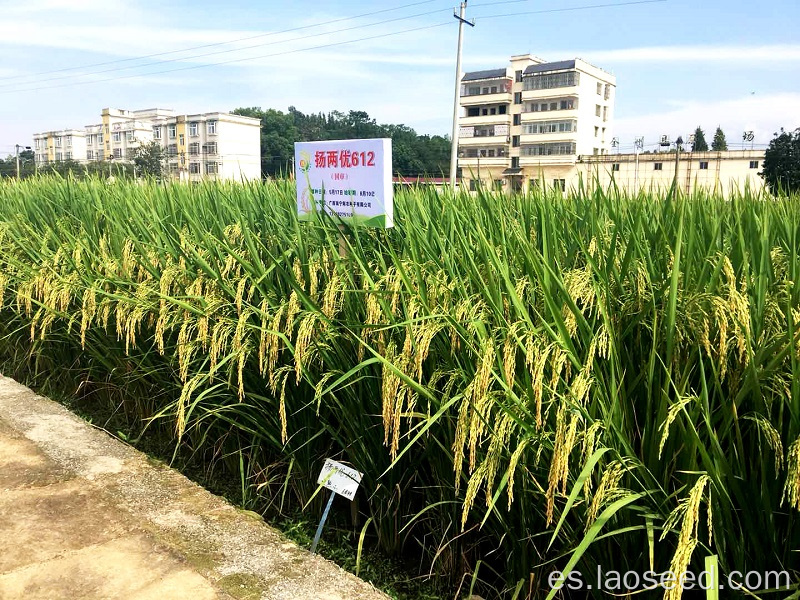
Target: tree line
{"x":413,"y":155}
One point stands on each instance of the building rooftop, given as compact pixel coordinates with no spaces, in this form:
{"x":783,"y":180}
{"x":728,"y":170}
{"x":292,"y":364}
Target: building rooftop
{"x":487,"y":74}
{"x":550,"y":66}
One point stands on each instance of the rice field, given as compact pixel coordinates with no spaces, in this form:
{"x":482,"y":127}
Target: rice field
{"x":528,"y":383}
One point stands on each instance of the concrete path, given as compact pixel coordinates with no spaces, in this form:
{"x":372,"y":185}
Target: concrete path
{"x":82,"y":515}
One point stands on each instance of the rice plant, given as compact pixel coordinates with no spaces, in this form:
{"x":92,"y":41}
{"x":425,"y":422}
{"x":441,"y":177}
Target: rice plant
{"x":529,"y":383}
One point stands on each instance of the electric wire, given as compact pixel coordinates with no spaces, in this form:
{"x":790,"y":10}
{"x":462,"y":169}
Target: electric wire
{"x":233,"y":41}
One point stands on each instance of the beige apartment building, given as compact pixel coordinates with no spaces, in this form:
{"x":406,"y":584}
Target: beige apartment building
{"x":531,"y":117}
{"x":728,"y":171}
{"x":213,"y":145}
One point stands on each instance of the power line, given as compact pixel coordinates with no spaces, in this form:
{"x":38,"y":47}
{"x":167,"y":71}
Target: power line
{"x":243,"y":39}
{"x":565,"y":9}
{"x":187,"y":58}
{"x":234,"y":60}
{"x":334,"y":44}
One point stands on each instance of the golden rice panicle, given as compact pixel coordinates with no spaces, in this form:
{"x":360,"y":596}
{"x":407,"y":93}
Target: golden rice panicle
{"x":689,"y":510}
{"x":481,"y":400}
{"x":672,"y":413}
{"x":791,"y":489}
{"x":608,"y":490}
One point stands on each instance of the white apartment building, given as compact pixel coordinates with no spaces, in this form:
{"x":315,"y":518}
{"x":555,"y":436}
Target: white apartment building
{"x":213,"y":145}
{"x":65,"y":144}
{"x":531,"y":117}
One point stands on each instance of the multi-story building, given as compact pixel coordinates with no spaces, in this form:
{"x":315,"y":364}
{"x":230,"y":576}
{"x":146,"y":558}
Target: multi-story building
{"x":209,"y":145}
{"x":66,"y":144}
{"x":728,"y":171}
{"x":533,"y":117}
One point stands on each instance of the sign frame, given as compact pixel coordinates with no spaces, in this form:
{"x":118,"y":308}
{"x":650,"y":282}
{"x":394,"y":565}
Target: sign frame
{"x":350,"y":180}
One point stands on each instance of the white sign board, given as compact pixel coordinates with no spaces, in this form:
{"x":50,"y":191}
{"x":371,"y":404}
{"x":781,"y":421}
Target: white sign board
{"x":348,"y":178}
{"x":339,"y":478}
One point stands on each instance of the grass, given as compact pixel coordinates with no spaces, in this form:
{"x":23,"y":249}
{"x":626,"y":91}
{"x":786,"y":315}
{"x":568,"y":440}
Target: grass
{"x":527,"y":382}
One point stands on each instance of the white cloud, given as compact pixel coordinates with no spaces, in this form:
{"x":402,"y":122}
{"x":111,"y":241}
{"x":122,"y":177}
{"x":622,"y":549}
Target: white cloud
{"x":763,"y":115}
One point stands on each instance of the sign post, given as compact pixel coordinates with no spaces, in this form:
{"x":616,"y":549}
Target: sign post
{"x":351,"y":179}
{"x":339,"y":479}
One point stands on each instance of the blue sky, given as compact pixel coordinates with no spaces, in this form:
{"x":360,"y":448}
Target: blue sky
{"x":678,"y":63}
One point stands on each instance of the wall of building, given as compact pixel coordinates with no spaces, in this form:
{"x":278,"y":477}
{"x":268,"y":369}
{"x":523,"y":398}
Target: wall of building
{"x":233,"y":151}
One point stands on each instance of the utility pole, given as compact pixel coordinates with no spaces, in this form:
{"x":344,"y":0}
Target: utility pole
{"x":678,"y":145}
{"x":456,"y":105}
{"x":16,"y":148}
{"x":638,"y":146}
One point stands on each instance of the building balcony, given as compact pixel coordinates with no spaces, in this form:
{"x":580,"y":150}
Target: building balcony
{"x":549,"y":115}
{"x":549,"y":92}
{"x":483,"y":161}
{"x":484,"y":140}
{"x":485,"y":120}
{"x":554,"y":159}
{"x":544,"y":138}
{"x":498,"y":98}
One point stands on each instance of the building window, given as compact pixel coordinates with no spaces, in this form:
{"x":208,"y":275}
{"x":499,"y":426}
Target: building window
{"x":597,"y":110}
{"x":89,"y":140}
{"x":157,"y":132}
{"x":518,"y":76}
{"x":58,"y":155}
{"x":129,"y":136}
{"x":68,"y":155}
{"x":101,"y":155}
{"x":69,"y":141}
{"x":100,"y":138}
{"x":498,"y":185}
{"x":90,"y":154}
{"x":703,"y":165}
{"x":549,"y":149}
{"x":596,"y":131}
{"x":541,"y":81}
{"x":560,"y":104}
{"x":172,"y":131}
{"x":473,"y":185}
{"x":58,"y":142}
{"x":658,"y":166}
{"x":210,"y":148}
{"x":194,"y":148}
{"x":560,"y":184}
{"x":172,"y":150}
{"x":551,"y":127}
{"x":615,"y":166}
{"x":599,"y":88}
{"x":117,"y":152}
{"x":608,"y":91}
{"x":515,"y":162}
{"x":605,"y":113}
{"x":501,"y":110}
{"x":515,"y":141}
{"x":473,"y":111}
{"x":753,"y":164}
{"x":193,"y":129}
{"x":212,"y":168}
{"x":181,"y":139}
{"x":211,"y":127}
{"x":116,"y":136}
{"x":517,"y":97}
{"x":194,"y":168}
{"x":516,"y":119}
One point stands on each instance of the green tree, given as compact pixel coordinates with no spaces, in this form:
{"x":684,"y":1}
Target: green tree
{"x":782,"y":163}
{"x":700,"y":144}
{"x":150,"y":159}
{"x":719,"y":143}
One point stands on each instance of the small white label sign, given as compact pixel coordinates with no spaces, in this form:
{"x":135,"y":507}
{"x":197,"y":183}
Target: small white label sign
{"x":339,"y":478}
{"x":351,"y":179}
